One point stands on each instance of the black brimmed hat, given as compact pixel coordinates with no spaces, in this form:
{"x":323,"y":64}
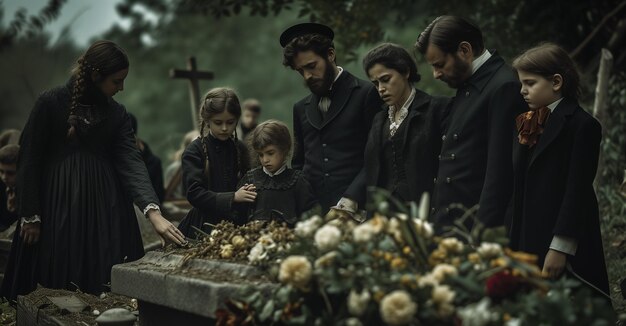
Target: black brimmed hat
{"x":304,"y":29}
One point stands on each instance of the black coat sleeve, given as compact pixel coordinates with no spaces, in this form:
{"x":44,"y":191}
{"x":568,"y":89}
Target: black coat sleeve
{"x":33,"y":144}
{"x":130,"y":166}
{"x":214,"y":204}
{"x":505,"y":104}
{"x":581,"y":173}
{"x":357,"y":189}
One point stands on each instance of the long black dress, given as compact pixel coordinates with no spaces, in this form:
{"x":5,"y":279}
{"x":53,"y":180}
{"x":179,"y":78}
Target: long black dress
{"x":82,"y":189}
{"x":282,"y":197}
{"x":212,"y":196}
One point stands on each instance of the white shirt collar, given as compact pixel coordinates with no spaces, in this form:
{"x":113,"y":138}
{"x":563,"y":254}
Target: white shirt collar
{"x":478,"y":62}
{"x":554,"y":104}
{"x":279,"y":171}
{"x":404,"y":111}
{"x":337,"y":77}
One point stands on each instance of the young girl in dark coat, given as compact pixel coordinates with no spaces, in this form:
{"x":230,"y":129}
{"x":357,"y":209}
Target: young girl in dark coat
{"x":283,"y":194}
{"x":555,"y":158}
{"x":213,"y":164}
{"x":78,"y":165}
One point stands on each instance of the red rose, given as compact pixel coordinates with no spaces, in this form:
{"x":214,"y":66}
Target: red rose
{"x":502,"y":284}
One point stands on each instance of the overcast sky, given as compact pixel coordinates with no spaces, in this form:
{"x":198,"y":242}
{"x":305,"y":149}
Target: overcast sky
{"x":88,"y":18}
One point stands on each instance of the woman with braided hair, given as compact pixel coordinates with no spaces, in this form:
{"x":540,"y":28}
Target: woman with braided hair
{"x":214,"y":163}
{"x":79,"y":172}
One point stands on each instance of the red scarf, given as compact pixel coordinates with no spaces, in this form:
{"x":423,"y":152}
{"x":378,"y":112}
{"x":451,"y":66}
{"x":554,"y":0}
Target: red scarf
{"x":530,"y":125}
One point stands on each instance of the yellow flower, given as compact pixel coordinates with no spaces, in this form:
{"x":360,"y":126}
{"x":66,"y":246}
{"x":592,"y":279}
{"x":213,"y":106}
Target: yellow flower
{"x":226,"y":251}
{"x":474,"y":258}
{"x":406,"y":250}
{"x":438,"y":256}
{"x":443,"y":296}
{"x":499,"y":262}
{"x":379,"y":295}
{"x":397,"y":263}
{"x":388,"y":256}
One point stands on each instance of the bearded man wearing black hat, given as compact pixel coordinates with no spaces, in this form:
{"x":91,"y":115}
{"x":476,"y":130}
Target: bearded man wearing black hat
{"x":332,"y":123}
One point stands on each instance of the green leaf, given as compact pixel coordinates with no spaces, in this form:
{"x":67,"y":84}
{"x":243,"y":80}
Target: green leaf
{"x":267,"y":311}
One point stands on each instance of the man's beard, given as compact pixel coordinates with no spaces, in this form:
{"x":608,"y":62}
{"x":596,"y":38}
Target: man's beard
{"x":321,"y":86}
{"x":460,"y":69}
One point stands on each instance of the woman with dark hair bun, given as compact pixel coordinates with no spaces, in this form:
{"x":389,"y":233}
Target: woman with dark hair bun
{"x":405,"y":139}
{"x":79,"y":172}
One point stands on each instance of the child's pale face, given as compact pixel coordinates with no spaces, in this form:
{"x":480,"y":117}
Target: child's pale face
{"x":113,"y":83}
{"x":8,"y":173}
{"x":222,"y":125}
{"x":539,"y":91}
{"x":271,"y":158}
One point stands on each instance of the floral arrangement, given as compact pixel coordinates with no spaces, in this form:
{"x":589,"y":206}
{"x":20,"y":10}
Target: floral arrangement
{"x":392,"y":270}
{"x":253,"y":242}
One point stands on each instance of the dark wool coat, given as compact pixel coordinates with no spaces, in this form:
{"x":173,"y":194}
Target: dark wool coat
{"x":420,"y":145}
{"x":554,"y":192}
{"x":329,"y":150}
{"x":475,"y":163}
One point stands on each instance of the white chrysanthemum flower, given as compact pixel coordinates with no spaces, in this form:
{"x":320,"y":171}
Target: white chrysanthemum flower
{"x":443,"y":296}
{"x":357,"y":302}
{"x":327,"y":237}
{"x":307,"y":227}
{"x":489,"y":250}
{"x":257,"y":253}
{"x":426,"y":280}
{"x":353,"y":322}
{"x":441,"y":271}
{"x":363,"y":232}
{"x":452,"y":245}
{"x":397,"y":308}
{"x":296,"y":271}
{"x":393,"y":229}
{"x":479,"y":314}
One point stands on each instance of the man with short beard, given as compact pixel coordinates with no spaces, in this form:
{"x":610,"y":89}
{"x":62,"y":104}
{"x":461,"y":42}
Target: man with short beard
{"x":332,"y":123}
{"x":475,"y":165}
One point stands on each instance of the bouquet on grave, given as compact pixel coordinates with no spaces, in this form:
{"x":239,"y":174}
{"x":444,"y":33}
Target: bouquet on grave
{"x":393,"y":270}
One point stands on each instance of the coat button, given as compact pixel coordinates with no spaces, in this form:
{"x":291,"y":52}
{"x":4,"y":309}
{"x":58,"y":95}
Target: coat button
{"x":452,"y":156}
{"x":439,"y":157}
{"x":432,"y":210}
{"x":324,"y":145}
{"x":467,"y":93}
{"x":434,"y":180}
{"x":448,"y":180}
{"x":447,"y":210}
{"x":443,"y":137}
{"x":325,"y":159}
{"x":455,"y":137}
{"x":327,"y":174}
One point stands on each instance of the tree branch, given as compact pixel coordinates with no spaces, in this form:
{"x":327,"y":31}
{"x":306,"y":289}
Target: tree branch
{"x":595,"y":31}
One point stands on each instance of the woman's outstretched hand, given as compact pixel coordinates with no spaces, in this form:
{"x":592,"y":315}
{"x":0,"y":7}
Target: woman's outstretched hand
{"x":166,"y":230}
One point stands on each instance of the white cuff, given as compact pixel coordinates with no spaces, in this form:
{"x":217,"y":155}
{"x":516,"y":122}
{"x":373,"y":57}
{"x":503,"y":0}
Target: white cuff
{"x":32,"y":219}
{"x":565,"y":245}
{"x":348,"y":204}
{"x":149,"y":207}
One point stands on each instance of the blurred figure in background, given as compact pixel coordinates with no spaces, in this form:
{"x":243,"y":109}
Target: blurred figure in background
{"x":251,"y":110}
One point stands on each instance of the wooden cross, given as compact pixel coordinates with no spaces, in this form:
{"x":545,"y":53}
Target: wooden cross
{"x":193,"y":75}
